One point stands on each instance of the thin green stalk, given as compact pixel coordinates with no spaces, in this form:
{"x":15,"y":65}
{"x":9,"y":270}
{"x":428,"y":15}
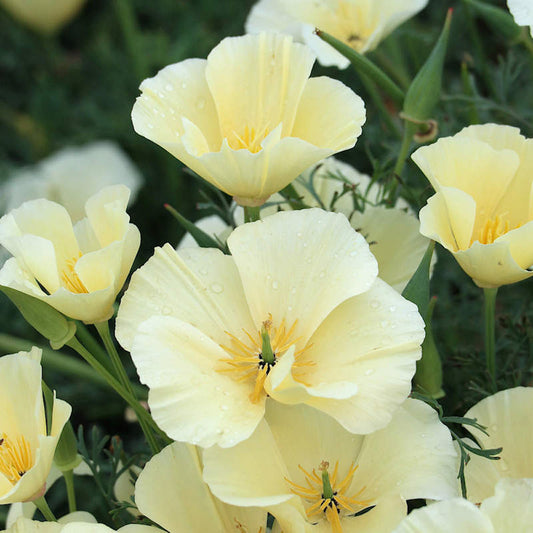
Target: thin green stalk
{"x":490,"y":335}
{"x":91,"y":344}
{"x":71,"y":494}
{"x":408,"y":132}
{"x":251,"y":213}
{"x":42,"y":505}
{"x":141,"y":413}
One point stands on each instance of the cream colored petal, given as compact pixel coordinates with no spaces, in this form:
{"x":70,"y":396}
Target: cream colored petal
{"x":15,"y":275}
{"x":371,"y":341}
{"x":257,"y":81}
{"x":212,"y":225}
{"x":190,"y":398}
{"x":271,"y":15}
{"x":470,"y":165}
{"x":252,"y":473}
{"x":507,"y":417}
{"x":199,"y":286}
{"x":177,"y":91}
{"x":520,"y":244}
{"x":456,"y":515}
{"x":491,"y":265}
{"x":395,"y":240}
{"x":292,"y":268}
{"x":171,"y":492}
{"x":99,"y":269}
{"x":25,"y":525}
{"x":413,"y":456}
{"x":326,"y":55}
{"x":499,"y":136}
{"x":522,"y":13}
{"x":511,"y":507}
{"x":330,"y":115}
{"x":255,"y":176}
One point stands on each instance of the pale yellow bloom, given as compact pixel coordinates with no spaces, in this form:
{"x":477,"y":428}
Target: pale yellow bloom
{"x":171,"y":492}
{"x":293,"y":314}
{"x":507,"y":417}
{"x":248,"y":119}
{"x":78,"y":269}
{"x":361,"y":24}
{"x":45,"y":16}
{"x":482,"y":211}
{"x":510,"y":510}
{"x":26,"y":449}
{"x":71,"y":176}
{"x":305,"y":469}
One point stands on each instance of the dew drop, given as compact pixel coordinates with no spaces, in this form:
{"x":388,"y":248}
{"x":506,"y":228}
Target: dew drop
{"x":224,"y":407}
{"x":304,"y":245}
{"x":374,"y":304}
{"x":217,"y":288}
{"x":166,"y":310}
{"x":392,"y":308}
{"x":183,"y":85}
{"x":200,"y":104}
{"x":423,"y":435}
{"x":322,"y":274}
{"x":275,"y":285}
{"x":353,"y":254}
{"x":369,"y":372}
{"x":203,"y":271}
{"x":289,"y":308}
{"x":218,"y":389}
{"x":494,"y":427}
{"x":293,"y":290}
{"x":162,"y":95}
{"x":168,"y":87}
{"x":384,"y":323}
{"x":299,"y":235}
{"x":150,"y":125}
{"x":309,"y":260}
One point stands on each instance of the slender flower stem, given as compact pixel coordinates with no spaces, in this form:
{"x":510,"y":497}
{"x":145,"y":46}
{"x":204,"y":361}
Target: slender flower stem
{"x":490,"y":336}
{"x":92,"y":344}
{"x":141,"y":413}
{"x":408,"y":132}
{"x":42,"y":505}
{"x":251,"y":214}
{"x":71,"y":494}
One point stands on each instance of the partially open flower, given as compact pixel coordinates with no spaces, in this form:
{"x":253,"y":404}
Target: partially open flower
{"x":362,"y":24}
{"x":482,"y":211}
{"x":248,"y":119}
{"x":26,"y":449}
{"x":304,"y":468}
{"x":45,"y":16}
{"x":292,"y":313}
{"x":76,"y":269}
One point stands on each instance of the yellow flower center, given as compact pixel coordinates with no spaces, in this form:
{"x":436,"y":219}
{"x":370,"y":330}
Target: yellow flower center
{"x":492,"y":229}
{"x":250,"y":139}
{"x":16,"y":457}
{"x":70,"y":278}
{"x":254,"y":360}
{"x":326,"y":496}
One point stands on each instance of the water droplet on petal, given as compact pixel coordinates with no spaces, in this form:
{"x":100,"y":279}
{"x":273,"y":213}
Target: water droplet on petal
{"x":217,"y":288}
{"x":494,"y":427}
{"x":374,"y":304}
{"x":166,"y":310}
{"x":150,"y":125}
{"x":203,"y":271}
{"x":183,"y":85}
{"x":293,"y":290}
{"x":384,"y":323}
{"x":168,"y":87}
{"x":275,"y":285}
{"x":369,"y":372}
{"x":322,"y":274}
{"x":224,"y":407}
{"x":392,"y":308}
{"x":299,"y":235}
{"x":200,"y":104}
{"x":353,"y":254}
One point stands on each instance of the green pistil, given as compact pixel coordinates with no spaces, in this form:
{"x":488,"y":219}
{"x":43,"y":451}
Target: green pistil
{"x":327,"y":491}
{"x":267,"y":354}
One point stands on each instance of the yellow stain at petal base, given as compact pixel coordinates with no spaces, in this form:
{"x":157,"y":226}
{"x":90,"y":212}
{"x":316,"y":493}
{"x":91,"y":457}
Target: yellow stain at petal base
{"x":326,"y":496}
{"x":70,"y":278}
{"x":247,"y":361}
{"x":250,"y":139}
{"x":16,"y":457}
{"x":492,"y":229}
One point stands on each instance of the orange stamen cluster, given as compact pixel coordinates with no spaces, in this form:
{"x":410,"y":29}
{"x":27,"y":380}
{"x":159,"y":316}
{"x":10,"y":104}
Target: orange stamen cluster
{"x":332,"y":505}
{"x":16,"y":457}
{"x":246,"y":361}
{"x":70,"y":278}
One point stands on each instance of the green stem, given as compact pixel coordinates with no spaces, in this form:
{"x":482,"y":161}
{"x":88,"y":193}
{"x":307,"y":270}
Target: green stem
{"x":91,"y":344}
{"x":490,"y":335}
{"x":71,"y":494}
{"x":251,"y":213}
{"x":408,"y":132}
{"x":42,"y":505}
{"x":141,"y":413}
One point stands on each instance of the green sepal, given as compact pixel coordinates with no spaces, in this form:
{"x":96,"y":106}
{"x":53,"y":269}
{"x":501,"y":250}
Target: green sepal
{"x":417,"y":289}
{"x":500,"y":20}
{"x":48,"y":405}
{"x":66,"y":456}
{"x":424,"y":92}
{"x":363,"y":65}
{"x":49,"y":322}
{"x":201,"y":237}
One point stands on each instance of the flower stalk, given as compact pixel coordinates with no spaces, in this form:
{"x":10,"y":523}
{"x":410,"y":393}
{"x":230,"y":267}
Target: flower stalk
{"x":490,"y":335}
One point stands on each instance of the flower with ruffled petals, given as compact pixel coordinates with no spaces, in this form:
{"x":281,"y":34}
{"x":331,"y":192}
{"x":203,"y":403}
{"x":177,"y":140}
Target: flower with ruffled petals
{"x":77,"y":269}
{"x":171,"y":492}
{"x":510,"y":510}
{"x":361,"y":24}
{"x":248,"y":119}
{"x":26,"y":449}
{"x":507,"y":417}
{"x":482,"y":211}
{"x":304,"y":468}
{"x":292,"y":313}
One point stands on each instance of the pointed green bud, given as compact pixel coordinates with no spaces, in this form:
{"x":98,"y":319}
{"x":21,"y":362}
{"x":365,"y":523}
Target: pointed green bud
{"x":327,"y":490}
{"x":49,"y":322}
{"x":424,"y":92}
{"x":500,"y":20}
{"x":267,"y":354}
{"x":66,"y":456}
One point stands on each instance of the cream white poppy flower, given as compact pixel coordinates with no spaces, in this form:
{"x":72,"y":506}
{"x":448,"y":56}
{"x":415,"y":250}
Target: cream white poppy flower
{"x":509,"y":510}
{"x":45,"y":16}
{"x":71,"y":176}
{"x":77,"y":269}
{"x":304,"y":468}
{"x":78,"y":522}
{"x":361,"y":24}
{"x":522,"y":11}
{"x":507,"y":417}
{"x":26,"y":450}
{"x":482,"y":211}
{"x":248,"y":119}
{"x":171,"y":492}
{"x":292,"y":313}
